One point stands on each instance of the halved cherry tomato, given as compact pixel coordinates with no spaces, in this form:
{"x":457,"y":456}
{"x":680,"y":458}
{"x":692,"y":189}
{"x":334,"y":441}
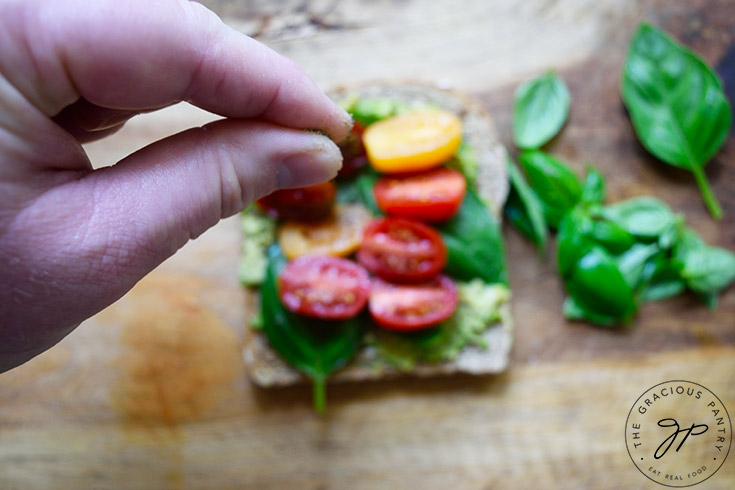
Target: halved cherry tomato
{"x":339,"y":235}
{"x":324,"y":287}
{"x":434,"y":195}
{"x":353,"y":153}
{"x":407,"y":307}
{"x":402,"y":250}
{"x":413,"y":141}
{"x":303,"y":204}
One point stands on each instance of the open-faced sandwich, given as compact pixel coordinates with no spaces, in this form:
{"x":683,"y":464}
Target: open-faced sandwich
{"x":396,"y":266}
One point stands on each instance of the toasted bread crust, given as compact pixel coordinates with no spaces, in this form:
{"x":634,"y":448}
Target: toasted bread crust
{"x":266,"y":368}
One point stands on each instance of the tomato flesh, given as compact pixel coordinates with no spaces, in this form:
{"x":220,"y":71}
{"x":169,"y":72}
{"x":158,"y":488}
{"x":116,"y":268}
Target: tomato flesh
{"x":329,"y":288}
{"x":413,"y":141}
{"x":433,"y":196}
{"x":398,"y":249}
{"x":302,"y":204}
{"x":408,"y":307}
{"x":339,"y":235}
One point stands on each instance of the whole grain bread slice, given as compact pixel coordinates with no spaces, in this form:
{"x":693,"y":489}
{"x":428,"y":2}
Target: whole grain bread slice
{"x":264,"y":365}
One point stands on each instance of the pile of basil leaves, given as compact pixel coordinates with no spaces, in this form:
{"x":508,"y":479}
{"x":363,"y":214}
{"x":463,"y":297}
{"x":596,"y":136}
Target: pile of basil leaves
{"x":614,"y":257}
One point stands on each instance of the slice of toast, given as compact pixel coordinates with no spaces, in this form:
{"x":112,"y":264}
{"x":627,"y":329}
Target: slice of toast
{"x":264,"y":365}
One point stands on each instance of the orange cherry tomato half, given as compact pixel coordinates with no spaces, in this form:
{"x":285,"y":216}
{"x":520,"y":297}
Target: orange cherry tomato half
{"x":413,"y":141}
{"x":408,"y":307}
{"x":301,"y":204}
{"x":329,"y":288}
{"x":434,"y":195}
{"x":339,"y":235}
{"x":402,"y":250}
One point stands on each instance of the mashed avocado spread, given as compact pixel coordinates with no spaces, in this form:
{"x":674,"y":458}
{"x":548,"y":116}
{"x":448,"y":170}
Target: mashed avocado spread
{"x":479,"y":307}
{"x":258,"y":232}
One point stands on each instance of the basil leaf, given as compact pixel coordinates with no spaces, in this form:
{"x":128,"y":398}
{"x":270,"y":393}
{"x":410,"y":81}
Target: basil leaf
{"x":593,"y":188}
{"x":555,"y":184}
{"x":688,"y":241}
{"x":474,"y":243}
{"x":708,"y":270}
{"x":314,"y":347}
{"x":644,"y":217}
{"x":540,"y":109}
{"x":599,"y":288}
{"x":574,"y":311}
{"x":360,"y":190}
{"x":583,"y":228}
{"x":660,"y":280}
{"x":632,"y":263}
{"x":677,"y":105}
{"x":370,"y":110}
{"x":523,"y":208}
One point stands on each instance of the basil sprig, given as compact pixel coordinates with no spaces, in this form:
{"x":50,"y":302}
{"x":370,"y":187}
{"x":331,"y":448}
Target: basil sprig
{"x":314,"y":347}
{"x":677,"y":105}
{"x":540,"y":109}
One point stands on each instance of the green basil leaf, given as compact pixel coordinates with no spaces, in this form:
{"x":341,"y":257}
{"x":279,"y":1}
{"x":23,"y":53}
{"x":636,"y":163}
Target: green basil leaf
{"x":370,"y":110}
{"x":660,"y":280}
{"x":633,"y":262}
{"x":708,"y":270}
{"x":677,"y":105}
{"x":540,"y":109}
{"x":598,"y":287}
{"x":573,"y":239}
{"x":584,"y":227}
{"x":523,"y":208}
{"x":574,"y":311}
{"x":474,"y":243}
{"x":593,"y":188}
{"x":644,"y":217}
{"x":688,"y":241}
{"x":360,"y":190}
{"x":314,"y":347}
{"x":555,"y":184}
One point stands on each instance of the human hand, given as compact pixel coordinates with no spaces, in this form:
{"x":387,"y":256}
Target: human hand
{"x":73,"y":239}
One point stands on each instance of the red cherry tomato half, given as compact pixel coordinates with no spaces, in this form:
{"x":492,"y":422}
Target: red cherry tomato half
{"x":402,"y":250}
{"x":301,"y":204}
{"x":353,"y":153}
{"x":319,"y":286}
{"x":408,"y":307}
{"x":433,"y":196}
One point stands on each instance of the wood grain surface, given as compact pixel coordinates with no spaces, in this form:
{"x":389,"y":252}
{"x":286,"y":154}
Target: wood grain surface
{"x":151,"y":393}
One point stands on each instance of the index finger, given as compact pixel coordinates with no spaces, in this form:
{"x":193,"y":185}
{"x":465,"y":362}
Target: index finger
{"x":137,"y":55}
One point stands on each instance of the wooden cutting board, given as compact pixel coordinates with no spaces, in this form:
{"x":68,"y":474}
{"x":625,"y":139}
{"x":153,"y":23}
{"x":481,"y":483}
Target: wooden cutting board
{"x":151,"y":393}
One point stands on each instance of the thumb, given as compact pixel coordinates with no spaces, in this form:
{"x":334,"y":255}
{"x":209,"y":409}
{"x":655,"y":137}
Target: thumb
{"x":175,"y":189}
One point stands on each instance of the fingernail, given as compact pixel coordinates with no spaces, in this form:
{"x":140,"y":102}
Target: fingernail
{"x":309,"y":167}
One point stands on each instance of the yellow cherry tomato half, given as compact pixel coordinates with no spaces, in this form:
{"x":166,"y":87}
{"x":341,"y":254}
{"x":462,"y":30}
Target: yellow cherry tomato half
{"x":339,"y":235}
{"x":413,"y":141}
